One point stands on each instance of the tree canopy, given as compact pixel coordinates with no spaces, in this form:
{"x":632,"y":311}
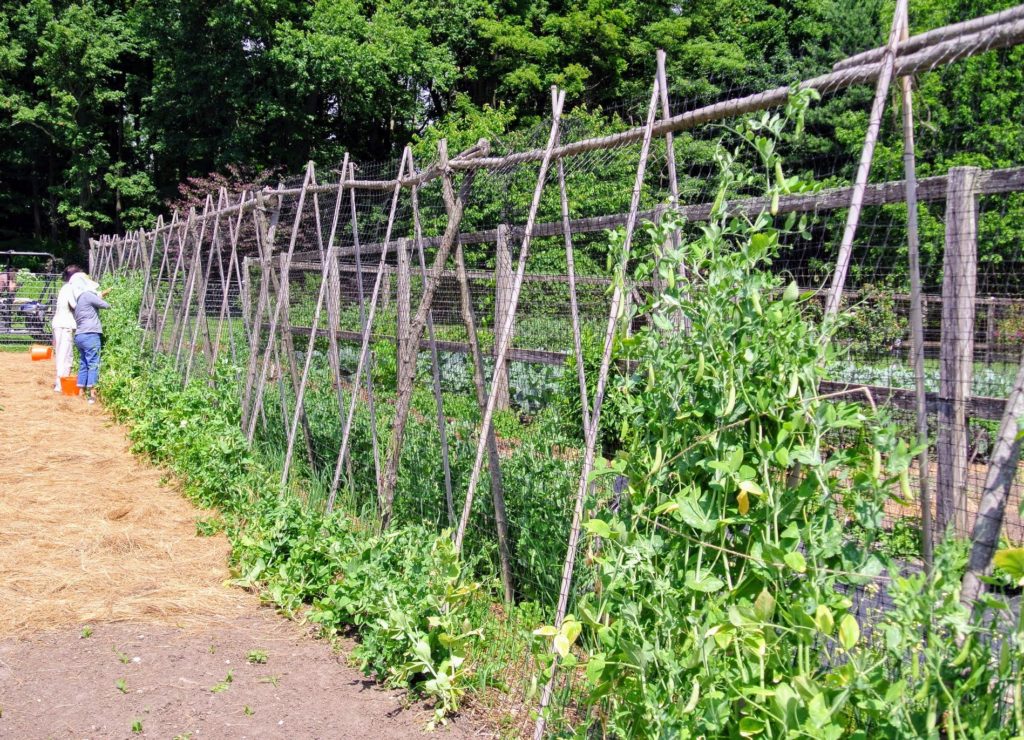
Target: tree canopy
{"x":106,"y":106}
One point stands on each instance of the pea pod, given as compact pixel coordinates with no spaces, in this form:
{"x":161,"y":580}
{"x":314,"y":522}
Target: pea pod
{"x":730,"y":403}
{"x":905,"y":484}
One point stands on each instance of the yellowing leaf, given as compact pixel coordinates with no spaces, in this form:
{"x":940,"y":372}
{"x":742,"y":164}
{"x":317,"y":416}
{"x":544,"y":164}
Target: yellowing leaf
{"x":562,"y":645}
{"x":743,"y":502}
{"x":571,"y":629}
{"x":749,"y":486}
{"x":764,"y":605}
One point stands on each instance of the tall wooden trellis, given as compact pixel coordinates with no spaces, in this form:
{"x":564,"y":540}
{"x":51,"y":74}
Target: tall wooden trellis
{"x":190,"y":255}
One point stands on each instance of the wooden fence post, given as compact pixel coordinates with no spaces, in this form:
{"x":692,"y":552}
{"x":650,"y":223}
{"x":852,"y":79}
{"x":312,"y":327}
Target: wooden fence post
{"x":917,"y":318}
{"x":956,"y":353}
{"x":990,"y":329}
{"x":403,"y":299}
{"x":503,"y":278}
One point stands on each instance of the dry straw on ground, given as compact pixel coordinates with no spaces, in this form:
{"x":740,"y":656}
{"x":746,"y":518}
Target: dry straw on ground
{"x":87,"y":531}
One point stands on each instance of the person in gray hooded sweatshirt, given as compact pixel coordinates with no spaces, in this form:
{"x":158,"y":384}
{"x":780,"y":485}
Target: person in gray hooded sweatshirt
{"x":88,"y":331}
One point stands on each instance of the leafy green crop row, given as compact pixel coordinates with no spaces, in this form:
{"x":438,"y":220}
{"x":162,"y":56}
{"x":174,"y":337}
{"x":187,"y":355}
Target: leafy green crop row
{"x":422,"y":617}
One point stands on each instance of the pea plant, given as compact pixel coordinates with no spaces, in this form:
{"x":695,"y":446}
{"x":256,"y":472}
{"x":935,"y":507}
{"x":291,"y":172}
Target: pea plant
{"x":722,"y":605}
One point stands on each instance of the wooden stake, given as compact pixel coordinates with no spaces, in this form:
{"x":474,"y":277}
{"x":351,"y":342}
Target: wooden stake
{"x":202,"y":320}
{"x":574,"y":311}
{"x":334,"y":296}
{"x":435,"y":365}
{"x":504,"y":332}
{"x":365,"y":346}
{"x":916,"y":319}
{"x":232,"y":273}
{"x":479,"y":380}
{"x":407,"y":361}
{"x":367,"y":328}
{"x":178,"y":261}
{"x":1002,"y":469}
{"x":279,"y":305}
{"x":864,"y":168}
{"x":184,"y":313}
{"x":266,"y":229}
{"x":301,"y":391}
{"x":503,"y":277}
{"x":618,"y":296}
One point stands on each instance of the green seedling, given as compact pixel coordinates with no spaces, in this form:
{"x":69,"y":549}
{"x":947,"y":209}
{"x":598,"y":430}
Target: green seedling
{"x":257,"y":656}
{"x":272,"y":680}
{"x":86,"y":631}
{"x":121,"y":685}
{"x":137,"y":726}
{"x":225,"y":684}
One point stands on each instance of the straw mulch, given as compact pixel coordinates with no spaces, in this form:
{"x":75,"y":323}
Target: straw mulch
{"x":88,"y":532}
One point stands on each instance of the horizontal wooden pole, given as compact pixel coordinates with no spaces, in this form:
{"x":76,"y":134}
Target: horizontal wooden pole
{"x":978,"y":407}
{"x":929,"y":189}
{"x":916,"y":43}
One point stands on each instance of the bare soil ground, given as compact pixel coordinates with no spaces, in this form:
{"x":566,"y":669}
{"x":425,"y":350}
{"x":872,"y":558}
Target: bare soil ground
{"x":94,"y":542}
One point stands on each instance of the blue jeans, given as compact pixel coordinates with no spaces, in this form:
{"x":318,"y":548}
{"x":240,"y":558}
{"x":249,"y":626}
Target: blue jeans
{"x":88,"y":359}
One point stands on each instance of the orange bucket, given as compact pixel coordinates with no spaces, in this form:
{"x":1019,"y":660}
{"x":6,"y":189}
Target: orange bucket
{"x":41,"y":352}
{"x":69,"y":385}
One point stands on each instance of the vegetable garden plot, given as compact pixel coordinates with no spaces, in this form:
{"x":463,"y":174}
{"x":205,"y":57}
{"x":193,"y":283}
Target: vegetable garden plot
{"x":706,"y":422}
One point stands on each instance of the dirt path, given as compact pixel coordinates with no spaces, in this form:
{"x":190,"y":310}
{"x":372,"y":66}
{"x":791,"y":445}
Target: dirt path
{"x":113,"y":611}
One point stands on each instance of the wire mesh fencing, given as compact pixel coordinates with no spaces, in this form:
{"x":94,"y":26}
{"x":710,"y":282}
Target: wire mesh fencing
{"x":433,"y":342}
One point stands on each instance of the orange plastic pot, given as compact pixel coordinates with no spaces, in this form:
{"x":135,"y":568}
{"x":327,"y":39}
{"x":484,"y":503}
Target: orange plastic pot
{"x":41,"y":352}
{"x":69,"y":385}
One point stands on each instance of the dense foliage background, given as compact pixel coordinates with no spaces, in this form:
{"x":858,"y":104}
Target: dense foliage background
{"x":106,"y":106}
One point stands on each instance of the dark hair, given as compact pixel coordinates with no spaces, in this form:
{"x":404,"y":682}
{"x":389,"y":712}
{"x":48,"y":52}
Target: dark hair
{"x":70,"y":270}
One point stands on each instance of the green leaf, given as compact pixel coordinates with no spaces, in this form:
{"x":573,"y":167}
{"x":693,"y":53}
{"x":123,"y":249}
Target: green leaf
{"x":823,"y":619}
{"x":703,"y":582}
{"x":749,"y":727}
{"x":598,"y":528}
{"x":693,"y":515}
{"x":796,"y":561}
{"x":1011,"y":561}
{"x":571,"y":629}
{"x":849,"y":631}
{"x":595,"y":666}
{"x":421,"y":649}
